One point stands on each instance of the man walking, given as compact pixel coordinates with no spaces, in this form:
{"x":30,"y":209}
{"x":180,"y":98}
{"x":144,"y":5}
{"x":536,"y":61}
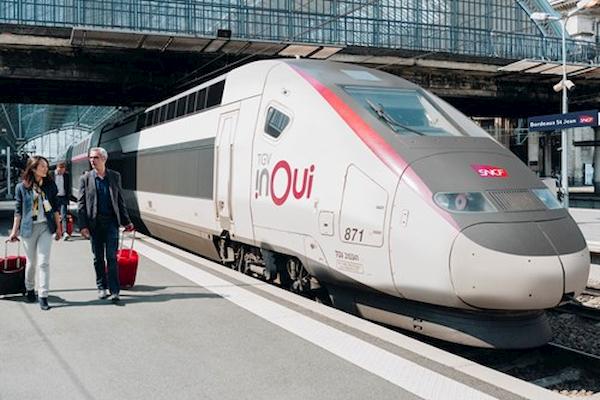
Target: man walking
{"x":101,"y":210}
{"x":63,"y":184}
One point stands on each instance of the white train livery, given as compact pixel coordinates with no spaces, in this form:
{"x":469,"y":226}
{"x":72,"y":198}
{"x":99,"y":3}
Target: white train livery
{"x":355,"y":187}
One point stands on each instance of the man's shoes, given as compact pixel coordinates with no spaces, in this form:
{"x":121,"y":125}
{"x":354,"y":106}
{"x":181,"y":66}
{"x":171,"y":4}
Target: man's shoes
{"x":115,"y":297}
{"x":66,"y":236}
{"x":44,"y":303}
{"x":102,"y":294}
{"x":30,"y":296}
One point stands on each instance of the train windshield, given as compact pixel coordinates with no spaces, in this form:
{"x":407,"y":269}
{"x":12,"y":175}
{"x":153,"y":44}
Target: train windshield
{"x":405,"y":111}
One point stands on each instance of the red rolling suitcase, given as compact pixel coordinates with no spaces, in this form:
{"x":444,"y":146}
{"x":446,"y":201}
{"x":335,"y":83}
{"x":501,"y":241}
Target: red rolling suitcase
{"x":12,"y":272}
{"x":69,"y":224}
{"x":127,"y":261}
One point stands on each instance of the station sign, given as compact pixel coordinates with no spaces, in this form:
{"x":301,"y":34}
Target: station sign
{"x":563,"y":121}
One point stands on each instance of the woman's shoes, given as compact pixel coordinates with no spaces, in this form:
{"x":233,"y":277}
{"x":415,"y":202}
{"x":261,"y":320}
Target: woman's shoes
{"x":30,"y":296}
{"x":44,"y":303}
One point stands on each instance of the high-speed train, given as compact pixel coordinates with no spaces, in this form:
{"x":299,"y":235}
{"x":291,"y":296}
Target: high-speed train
{"x":355,"y":187}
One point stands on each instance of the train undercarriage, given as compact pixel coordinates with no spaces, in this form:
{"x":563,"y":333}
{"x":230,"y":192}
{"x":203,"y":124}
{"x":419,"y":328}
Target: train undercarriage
{"x":283,"y":270}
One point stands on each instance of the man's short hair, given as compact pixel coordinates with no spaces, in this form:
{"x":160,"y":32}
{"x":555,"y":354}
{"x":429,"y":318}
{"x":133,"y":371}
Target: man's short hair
{"x":100,"y":150}
{"x":61,"y":164}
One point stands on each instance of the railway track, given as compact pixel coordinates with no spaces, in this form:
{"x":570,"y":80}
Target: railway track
{"x":553,"y":366}
{"x":581,"y":310}
{"x":591,"y":291}
{"x":582,"y":307}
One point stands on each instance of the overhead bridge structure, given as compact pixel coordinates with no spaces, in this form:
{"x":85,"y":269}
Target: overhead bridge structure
{"x":136,"y":52}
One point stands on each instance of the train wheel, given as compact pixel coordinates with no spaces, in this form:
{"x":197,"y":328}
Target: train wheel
{"x":299,"y":277}
{"x":275,"y":267}
{"x":238,"y":265}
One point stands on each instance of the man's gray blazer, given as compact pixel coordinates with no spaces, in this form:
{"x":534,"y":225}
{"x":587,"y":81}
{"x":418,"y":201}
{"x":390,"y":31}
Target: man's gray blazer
{"x":87,"y":206}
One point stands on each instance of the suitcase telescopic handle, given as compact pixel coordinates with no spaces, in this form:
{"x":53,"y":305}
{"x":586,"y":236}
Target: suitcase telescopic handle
{"x":132,"y":234}
{"x":6,"y":242}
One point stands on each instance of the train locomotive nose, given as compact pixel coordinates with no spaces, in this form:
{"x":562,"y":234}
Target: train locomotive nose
{"x":519,"y":266}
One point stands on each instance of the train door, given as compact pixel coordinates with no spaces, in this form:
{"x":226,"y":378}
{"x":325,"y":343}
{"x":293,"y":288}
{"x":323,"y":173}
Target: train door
{"x":224,"y":153}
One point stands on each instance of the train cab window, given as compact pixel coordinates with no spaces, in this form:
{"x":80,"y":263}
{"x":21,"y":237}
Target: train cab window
{"x":201,"y":102}
{"x":181,"y":106}
{"x":191,"y":103}
{"x":171,"y":110}
{"x":275,"y":122}
{"x":405,"y":111}
{"x":215,"y":94}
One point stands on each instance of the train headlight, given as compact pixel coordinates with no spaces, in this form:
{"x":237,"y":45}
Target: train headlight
{"x":546,"y":196}
{"x":464,"y":202}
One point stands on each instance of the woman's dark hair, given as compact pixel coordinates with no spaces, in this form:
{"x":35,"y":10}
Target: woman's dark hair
{"x":29,"y":174}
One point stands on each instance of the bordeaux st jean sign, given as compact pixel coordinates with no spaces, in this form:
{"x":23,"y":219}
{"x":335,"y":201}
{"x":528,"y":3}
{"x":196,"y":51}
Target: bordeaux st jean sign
{"x":563,"y":121}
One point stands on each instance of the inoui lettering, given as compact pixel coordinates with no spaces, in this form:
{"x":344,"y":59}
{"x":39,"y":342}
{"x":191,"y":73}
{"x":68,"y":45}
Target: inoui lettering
{"x":297,"y":182}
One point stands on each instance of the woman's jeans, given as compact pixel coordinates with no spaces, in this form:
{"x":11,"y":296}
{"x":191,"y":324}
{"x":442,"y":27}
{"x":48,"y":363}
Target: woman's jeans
{"x":105,"y":240}
{"x":37,"y":248}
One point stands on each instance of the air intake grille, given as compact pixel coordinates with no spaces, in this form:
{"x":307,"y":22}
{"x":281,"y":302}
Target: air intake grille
{"x":515,"y":200}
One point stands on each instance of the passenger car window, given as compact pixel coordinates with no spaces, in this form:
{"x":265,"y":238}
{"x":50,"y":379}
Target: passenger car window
{"x":201,"y":102}
{"x":276,"y":122}
{"x":171,"y":110}
{"x":215,"y":94}
{"x":191,"y":103}
{"x":181,"y":106}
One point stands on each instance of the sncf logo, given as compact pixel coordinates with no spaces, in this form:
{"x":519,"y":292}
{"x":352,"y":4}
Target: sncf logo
{"x":586,"y":119}
{"x":489,"y":171}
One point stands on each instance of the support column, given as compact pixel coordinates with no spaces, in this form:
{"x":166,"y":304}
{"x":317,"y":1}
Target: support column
{"x":576,"y":164}
{"x":8,"y":182}
{"x":548,"y":155}
{"x":533,"y":152}
{"x":597,"y":161}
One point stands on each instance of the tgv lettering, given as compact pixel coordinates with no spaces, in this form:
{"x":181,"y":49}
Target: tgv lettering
{"x":299,"y":184}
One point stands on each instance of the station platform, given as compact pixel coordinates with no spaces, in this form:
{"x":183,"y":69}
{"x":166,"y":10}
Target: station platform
{"x":588,"y":221}
{"x":193,"y":329}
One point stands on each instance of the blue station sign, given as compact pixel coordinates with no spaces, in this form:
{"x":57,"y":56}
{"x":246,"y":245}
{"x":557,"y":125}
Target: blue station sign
{"x":563,"y":121}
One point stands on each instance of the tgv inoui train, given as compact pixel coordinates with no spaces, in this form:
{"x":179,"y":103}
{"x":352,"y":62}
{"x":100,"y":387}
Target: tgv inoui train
{"x":355,"y":186}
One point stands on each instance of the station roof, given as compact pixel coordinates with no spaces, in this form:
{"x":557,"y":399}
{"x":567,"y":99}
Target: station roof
{"x":21,"y":122}
{"x":548,"y":67}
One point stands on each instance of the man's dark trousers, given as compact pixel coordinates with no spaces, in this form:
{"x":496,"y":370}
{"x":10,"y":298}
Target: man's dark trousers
{"x":105,"y":241}
{"x":63,"y":201}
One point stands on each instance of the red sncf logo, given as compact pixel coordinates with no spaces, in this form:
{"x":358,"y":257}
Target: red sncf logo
{"x":489,"y":171}
{"x":586,"y":119}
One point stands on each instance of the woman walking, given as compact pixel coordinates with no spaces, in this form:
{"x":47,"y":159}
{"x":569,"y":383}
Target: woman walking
{"x":37,"y":217}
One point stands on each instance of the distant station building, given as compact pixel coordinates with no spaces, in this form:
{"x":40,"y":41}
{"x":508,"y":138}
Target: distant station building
{"x":580,"y":26}
{"x":583,"y":155}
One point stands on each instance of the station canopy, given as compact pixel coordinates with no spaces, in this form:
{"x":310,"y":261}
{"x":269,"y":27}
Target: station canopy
{"x":549,"y":67}
{"x":21,"y":123}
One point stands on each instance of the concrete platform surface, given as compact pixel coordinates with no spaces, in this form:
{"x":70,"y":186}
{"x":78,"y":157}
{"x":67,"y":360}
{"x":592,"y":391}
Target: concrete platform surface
{"x":192,"y":329}
{"x":588,"y":221}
